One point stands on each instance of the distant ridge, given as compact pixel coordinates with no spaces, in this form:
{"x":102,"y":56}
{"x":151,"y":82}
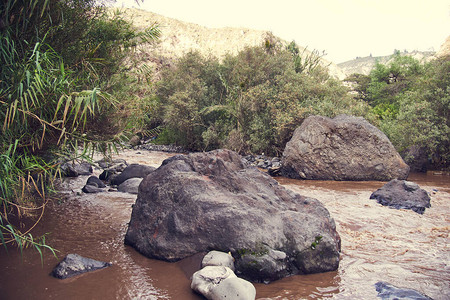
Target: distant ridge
{"x":180,"y":37}
{"x":363,"y":65}
{"x":445,"y":48}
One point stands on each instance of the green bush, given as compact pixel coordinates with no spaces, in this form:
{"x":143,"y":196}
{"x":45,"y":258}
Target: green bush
{"x":251,"y":102}
{"x":55,"y":57}
{"x":410,"y":104}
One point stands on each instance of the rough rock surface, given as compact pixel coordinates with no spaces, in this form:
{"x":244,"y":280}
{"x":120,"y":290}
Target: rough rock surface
{"x":74,"y":264}
{"x":117,"y":164}
{"x":220,"y":283}
{"x":390,"y":292}
{"x":416,"y":157}
{"x":91,"y":189}
{"x":202,"y":201}
{"x":111,"y":168}
{"x":218,"y":258}
{"x":95,"y":181}
{"x":132,"y":171}
{"x":130,"y":186}
{"x":72,"y":169}
{"x":343,"y":148}
{"x":260,"y":266}
{"x":402,"y":194}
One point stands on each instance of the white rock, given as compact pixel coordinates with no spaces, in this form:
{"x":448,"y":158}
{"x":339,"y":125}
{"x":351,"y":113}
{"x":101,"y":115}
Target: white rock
{"x":233,"y":288}
{"x":210,"y":276}
{"x":220,"y":283}
{"x":217,"y":258}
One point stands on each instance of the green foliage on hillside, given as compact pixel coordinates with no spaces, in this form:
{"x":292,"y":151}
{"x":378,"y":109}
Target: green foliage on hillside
{"x":251,"y":102}
{"x":410,"y":103}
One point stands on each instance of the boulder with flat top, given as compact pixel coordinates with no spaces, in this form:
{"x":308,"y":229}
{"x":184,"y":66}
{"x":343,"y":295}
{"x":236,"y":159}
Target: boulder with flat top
{"x":343,"y":148}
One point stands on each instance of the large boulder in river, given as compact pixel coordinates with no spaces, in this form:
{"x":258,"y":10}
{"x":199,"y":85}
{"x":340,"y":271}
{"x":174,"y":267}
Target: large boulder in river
{"x":343,"y":148}
{"x":402,"y":194}
{"x":211,"y":201}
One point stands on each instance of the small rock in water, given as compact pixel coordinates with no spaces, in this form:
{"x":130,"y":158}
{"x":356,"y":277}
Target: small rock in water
{"x":132,"y":171}
{"x":75,"y":169}
{"x":95,"y":181}
{"x":390,"y":292}
{"x":220,"y":283}
{"x":91,"y":189}
{"x":74,"y":264}
{"x":217,"y":258}
{"x":402,"y":194}
{"x":234,"y":288}
{"x":130,"y":186}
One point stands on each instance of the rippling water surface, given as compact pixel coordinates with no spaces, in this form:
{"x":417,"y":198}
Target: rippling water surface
{"x":378,"y":243}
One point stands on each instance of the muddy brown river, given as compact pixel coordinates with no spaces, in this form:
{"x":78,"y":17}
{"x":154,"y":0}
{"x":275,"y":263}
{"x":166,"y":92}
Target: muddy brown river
{"x":378,"y":244}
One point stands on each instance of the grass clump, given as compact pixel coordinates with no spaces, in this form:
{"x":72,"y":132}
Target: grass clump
{"x":56,"y":58}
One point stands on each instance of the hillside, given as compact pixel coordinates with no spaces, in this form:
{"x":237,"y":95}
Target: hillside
{"x":180,"y":37}
{"x":445,"y":48}
{"x":363,"y":65}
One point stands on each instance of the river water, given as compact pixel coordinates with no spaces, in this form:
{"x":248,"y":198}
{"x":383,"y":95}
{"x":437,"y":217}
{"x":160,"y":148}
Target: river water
{"x":378,"y":244}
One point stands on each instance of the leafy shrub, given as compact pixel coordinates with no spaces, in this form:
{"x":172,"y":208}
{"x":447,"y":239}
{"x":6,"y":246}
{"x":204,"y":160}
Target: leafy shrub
{"x":55,"y":56}
{"x":251,"y":102}
{"x":410,"y":104}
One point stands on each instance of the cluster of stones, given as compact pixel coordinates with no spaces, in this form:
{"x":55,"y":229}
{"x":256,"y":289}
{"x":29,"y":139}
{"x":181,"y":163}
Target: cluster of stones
{"x":271,"y":164}
{"x":217,"y":280}
{"x":116,"y":173}
{"x":220,"y":200}
{"x":163,"y":148}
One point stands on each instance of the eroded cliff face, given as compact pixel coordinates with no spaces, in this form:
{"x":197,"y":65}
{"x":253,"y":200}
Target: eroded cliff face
{"x":445,"y":48}
{"x":180,"y":37}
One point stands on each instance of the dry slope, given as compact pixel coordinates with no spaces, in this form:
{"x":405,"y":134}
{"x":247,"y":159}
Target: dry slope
{"x":180,"y":37}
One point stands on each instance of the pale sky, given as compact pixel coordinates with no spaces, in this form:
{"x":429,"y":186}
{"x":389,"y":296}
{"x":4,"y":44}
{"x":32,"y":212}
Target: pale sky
{"x":345,"y":29}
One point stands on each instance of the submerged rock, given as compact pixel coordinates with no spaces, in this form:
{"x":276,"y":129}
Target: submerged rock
{"x":197,"y":202}
{"x":343,"y":148}
{"x":74,"y":264}
{"x":390,"y":292}
{"x":402,"y":194}
{"x":132,"y":171}
{"x":220,"y":283}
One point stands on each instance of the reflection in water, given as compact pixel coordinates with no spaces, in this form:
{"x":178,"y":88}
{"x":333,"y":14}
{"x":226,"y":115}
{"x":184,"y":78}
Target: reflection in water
{"x":378,"y":243}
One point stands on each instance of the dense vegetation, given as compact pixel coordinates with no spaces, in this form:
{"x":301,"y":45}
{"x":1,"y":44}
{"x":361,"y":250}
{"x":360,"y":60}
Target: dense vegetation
{"x":251,"y":102}
{"x":62,"y":69}
{"x":56,"y":58}
{"x":411,"y":104}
